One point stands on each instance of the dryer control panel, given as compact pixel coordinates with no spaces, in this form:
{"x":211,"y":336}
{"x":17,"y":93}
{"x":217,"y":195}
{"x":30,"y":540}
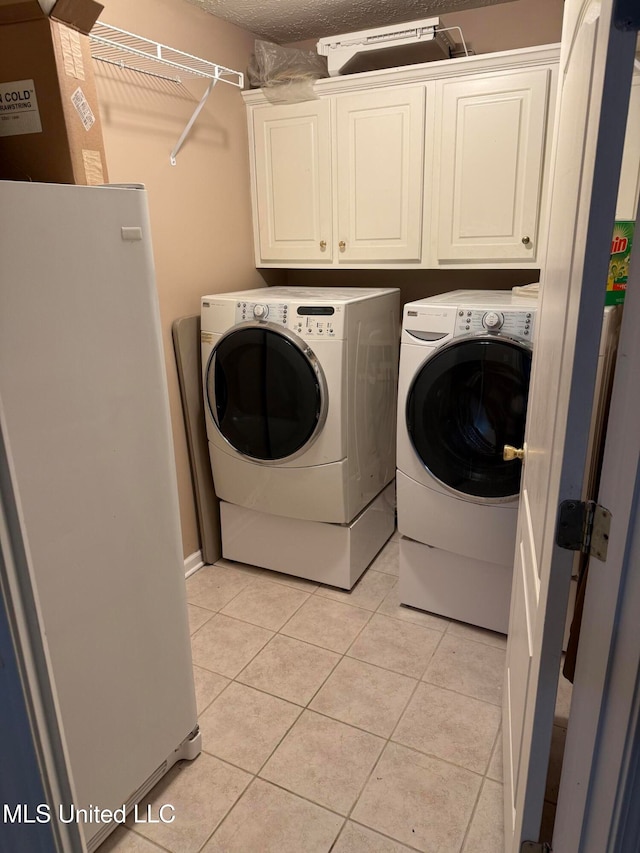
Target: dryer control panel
{"x":515,"y":324}
{"x":274,"y":312}
{"x":314,"y":326}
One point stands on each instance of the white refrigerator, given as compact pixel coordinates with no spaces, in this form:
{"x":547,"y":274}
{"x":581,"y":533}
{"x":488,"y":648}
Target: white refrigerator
{"x":83,"y":389}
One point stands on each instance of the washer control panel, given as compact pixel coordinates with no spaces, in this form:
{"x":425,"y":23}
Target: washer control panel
{"x":307,"y":321}
{"x":515,"y":324}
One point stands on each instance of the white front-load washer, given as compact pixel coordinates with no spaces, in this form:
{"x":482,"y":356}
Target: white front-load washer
{"x":465,"y":363}
{"x":300,"y":402}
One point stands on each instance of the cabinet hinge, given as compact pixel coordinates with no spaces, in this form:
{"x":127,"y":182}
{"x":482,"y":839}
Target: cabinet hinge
{"x":584,"y":526}
{"x":535,"y":847}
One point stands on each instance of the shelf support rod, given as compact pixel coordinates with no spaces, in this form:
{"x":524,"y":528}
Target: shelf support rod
{"x":191,"y":122}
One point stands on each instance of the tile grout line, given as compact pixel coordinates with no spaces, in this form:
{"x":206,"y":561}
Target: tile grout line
{"x":232,"y":807}
{"x":233,"y":677}
{"x":337,"y":838}
{"x":377,"y":611}
{"x":257,"y":625}
{"x":200,"y":627}
{"x":139,"y":834}
{"x":388,"y":741}
{"x":459,"y":693}
{"x":420,"y":679}
{"x":351,"y":642}
{"x":303,"y":708}
{"x":219,"y":612}
{"x":253,"y":579}
{"x":384,"y":835}
{"x":472,"y":639}
{"x":493,"y":751}
{"x":210,"y":612}
{"x":215,"y":697}
{"x":306,"y":707}
{"x":269,"y":576}
{"x":472,"y":815}
{"x":482,"y":784}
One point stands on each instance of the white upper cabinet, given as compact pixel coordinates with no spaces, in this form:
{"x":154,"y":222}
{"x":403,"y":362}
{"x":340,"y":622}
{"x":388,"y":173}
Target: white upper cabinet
{"x":376,"y":197}
{"x":292,"y":161}
{"x":438,"y":165}
{"x":489,"y":162}
{"x":379,"y":157}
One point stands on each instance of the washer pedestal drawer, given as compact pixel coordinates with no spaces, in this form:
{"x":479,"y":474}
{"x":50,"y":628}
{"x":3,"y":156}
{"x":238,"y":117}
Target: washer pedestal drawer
{"x":454,"y":586}
{"x":480,"y":531}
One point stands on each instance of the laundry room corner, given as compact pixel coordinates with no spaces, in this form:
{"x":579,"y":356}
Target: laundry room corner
{"x":200,"y":208}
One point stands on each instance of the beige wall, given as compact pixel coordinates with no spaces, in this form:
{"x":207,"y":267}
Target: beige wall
{"x":507,"y":26}
{"x":416,"y":284}
{"x":200,"y":209}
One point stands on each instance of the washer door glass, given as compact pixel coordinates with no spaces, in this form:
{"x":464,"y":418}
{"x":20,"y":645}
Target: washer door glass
{"x":465,"y":404}
{"x":263,"y":393}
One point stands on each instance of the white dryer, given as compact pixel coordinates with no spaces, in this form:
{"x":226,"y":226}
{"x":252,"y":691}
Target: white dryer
{"x":465,"y":363}
{"x":300,"y":402}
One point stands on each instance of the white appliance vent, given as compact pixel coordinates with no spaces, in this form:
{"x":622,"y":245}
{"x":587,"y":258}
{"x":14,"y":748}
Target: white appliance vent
{"x":386,"y":47}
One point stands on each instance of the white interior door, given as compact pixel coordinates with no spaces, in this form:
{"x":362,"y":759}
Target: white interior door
{"x":595,"y":75}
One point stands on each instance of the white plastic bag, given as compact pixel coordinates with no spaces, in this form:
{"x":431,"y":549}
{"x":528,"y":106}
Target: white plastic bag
{"x":285,"y":75}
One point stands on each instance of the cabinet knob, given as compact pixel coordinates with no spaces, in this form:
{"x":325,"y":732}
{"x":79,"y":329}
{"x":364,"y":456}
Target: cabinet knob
{"x":526,"y":240}
{"x":323,"y":244}
{"x":342,"y":245}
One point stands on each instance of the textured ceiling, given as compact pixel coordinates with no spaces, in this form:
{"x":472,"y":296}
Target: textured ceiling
{"x":285,"y":21}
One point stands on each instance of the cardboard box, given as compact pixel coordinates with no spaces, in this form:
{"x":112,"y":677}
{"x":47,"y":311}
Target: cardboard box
{"x":49,"y":119}
{"x":621,"y":245}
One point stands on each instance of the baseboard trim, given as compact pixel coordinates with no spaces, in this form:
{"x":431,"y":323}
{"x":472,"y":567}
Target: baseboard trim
{"x":192,"y":563}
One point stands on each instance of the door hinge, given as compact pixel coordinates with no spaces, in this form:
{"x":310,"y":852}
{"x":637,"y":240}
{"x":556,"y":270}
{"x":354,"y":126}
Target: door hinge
{"x":535,"y":847}
{"x":584,"y":526}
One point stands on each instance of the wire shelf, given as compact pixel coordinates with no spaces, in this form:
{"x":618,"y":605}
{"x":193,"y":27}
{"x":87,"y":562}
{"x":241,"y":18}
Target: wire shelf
{"x":126,"y":50}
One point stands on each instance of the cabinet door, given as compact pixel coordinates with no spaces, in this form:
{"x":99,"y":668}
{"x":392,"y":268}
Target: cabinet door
{"x":293,"y":181}
{"x":490,"y":166}
{"x":379,"y":152}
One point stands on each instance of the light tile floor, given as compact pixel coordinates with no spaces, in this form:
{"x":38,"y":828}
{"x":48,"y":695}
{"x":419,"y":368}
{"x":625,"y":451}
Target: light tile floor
{"x":332,"y":721}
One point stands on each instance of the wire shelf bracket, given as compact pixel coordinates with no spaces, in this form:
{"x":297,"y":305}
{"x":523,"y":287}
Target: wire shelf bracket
{"x":126,"y":50}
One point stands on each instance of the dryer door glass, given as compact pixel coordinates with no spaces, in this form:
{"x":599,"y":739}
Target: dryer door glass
{"x":465,"y":404}
{"x":263,"y":393}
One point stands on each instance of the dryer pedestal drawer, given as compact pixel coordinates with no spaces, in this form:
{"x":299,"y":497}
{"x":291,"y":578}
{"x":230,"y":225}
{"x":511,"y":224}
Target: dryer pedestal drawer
{"x":317,"y":493}
{"x":334,"y":554}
